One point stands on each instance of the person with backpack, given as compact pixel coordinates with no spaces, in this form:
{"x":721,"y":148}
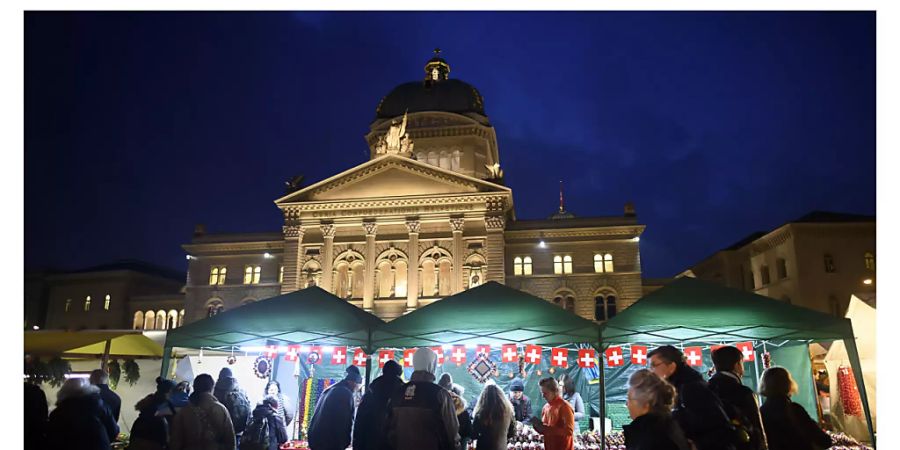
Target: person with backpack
{"x":368,"y":430}
{"x":204,"y":424}
{"x":738,"y":400}
{"x":150,"y":430}
{"x":331,"y":424}
{"x":266,"y":429}
{"x":697,"y":409}
{"x":235,"y":400}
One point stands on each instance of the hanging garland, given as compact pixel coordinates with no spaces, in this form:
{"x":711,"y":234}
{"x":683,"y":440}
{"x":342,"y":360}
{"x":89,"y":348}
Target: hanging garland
{"x":57,"y":369}
{"x":262,"y":367}
{"x":310,"y":394}
{"x":36,"y":370}
{"x":767,"y":360}
{"x":132,"y":371}
{"x":850,"y":401}
{"x":115,"y":373}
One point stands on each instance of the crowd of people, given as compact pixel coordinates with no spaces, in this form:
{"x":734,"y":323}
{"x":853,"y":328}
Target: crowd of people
{"x":670,"y":404}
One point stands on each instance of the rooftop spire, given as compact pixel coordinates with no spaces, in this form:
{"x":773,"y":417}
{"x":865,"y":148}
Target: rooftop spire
{"x":561,"y":203}
{"x":436,"y":69}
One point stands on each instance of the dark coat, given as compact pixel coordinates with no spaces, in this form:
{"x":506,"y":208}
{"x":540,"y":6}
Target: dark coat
{"x":371,"y":416}
{"x":466,"y":433}
{"x":789,"y":427}
{"x":229,"y":393}
{"x":277,"y":433}
{"x":493,"y":436}
{"x":81,"y":423}
{"x":740,"y":403}
{"x":699,"y":412}
{"x":654,"y":432}
{"x":149,"y":430}
{"x":332,"y":421}
{"x":522,"y":408}
{"x":112,"y":401}
{"x":35,"y":417}
{"x":423,"y":416}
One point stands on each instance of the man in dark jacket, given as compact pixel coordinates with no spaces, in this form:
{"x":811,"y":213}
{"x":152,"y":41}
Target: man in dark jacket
{"x":331,"y":424}
{"x":368,"y":430}
{"x":35,"y":417}
{"x":422,"y":414}
{"x":264,"y":415}
{"x":697,"y":409}
{"x":112,"y":400}
{"x":228,"y":393}
{"x":738,"y":400}
{"x":81,"y":421}
{"x":520,"y":402}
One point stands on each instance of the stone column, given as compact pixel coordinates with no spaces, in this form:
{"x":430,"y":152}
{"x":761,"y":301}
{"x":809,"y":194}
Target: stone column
{"x":412,"y":275}
{"x":328,"y":257}
{"x":456,"y":275}
{"x":293,"y":257}
{"x":495,"y":252}
{"x":369,"y":276}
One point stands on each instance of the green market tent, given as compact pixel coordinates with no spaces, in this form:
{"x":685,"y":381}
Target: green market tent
{"x":308,"y":316}
{"x":695,"y":312}
{"x":488,"y":314}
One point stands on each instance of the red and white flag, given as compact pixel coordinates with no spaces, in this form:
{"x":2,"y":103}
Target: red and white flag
{"x":713,"y":348}
{"x":486,"y":349}
{"x":747,"y":349}
{"x":533,"y":354}
{"x":292,"y":353}
{"x":384,"y":356}
{"x":586,"y":358}
{"x":440,"y":354}
{"x":271,"y":351}
{"x":339,"y":356}
{"x":509,"y":353}
{"x":694,"y":356}
{"x":559,"y":357}
{"x":359,"y":357}
{"x":458,"y":355}
{"x":317,"y":350}
{"x":614,"y":357}
{"x":408,"y":356}
{"x":639,"y":355}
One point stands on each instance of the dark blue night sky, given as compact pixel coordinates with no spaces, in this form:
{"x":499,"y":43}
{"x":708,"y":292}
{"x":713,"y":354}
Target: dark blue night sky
{"x":139,"y":125}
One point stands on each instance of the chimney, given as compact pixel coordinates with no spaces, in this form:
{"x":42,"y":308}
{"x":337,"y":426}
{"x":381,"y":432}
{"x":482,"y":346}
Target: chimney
{"x":629,"y":210}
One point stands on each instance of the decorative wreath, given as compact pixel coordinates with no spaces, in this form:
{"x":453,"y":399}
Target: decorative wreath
{"x":262,"y":367}
{"x":482,"y":368}
{"x":231,"y":360}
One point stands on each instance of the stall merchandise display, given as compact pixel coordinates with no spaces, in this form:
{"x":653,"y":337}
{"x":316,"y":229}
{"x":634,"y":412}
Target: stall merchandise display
{"x":850,"y":400}
{"x":309,"y":394}
{"x":841,"y":441}
{"x":294,"y":445}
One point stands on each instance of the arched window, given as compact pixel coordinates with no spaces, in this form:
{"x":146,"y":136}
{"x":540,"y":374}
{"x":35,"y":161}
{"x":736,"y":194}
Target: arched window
{"x":604,"y":306}
{"x":213,"y":275}
{"x":149,"y":320}
{"x":68,"y":304}
{"x":608,"y":263}
{"x":598,"y":263}
{"x":172,"y":319}
{"x":342,"y":282}
{"x":214,"y":307}
{"x":138,"y":323}
{"x":567,"y":264}
{"x":106,"y":301}
{"x":160,"y":320}
{"x":569,"y":304}
{"x":181,"y":318}
{"x":517,"y":265}
{"x":445,"y":268}
{"x":829,"y":263}
{"x":870,"y":260}
{"x":401,"y":269}
{"x":526,"y":266}
{"x":87,"y":303}
{"x":280,"y":274}
{"x":557,"y":265}
{"x":428,"y":279}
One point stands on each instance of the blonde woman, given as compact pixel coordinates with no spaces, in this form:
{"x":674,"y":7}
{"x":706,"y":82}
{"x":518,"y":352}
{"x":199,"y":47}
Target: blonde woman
{"x":650,"y":401}
{"x":494,"y":419}
{"x":788,"y":426}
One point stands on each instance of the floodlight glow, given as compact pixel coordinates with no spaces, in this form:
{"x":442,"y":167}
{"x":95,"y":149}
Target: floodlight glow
{"x":867,"y":281}
{"x":542,"y":244}
{"x":636,"y":239}
{"x":267,"y":255}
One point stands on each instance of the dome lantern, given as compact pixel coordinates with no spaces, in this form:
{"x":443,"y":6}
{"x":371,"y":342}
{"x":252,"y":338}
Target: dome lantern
{"x":436,"y":69}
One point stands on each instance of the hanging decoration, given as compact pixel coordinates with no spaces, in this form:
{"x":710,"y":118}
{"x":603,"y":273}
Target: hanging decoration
{"x":458,"y":355}
{"x":850,"y":400}
{"x":262,"y":367}
{"x":57,"y":369}
{"x":521,"y":366}
{"x":746,"y":349}
{"x":639,"y":355}
{"x":132,"y":371}
{"x":533,"y":354}
{"x":310,"y":391}
{"x":293,"y":353}
{"x":483,"y":350}
{"x":271,"y":351}
{"x":440,"y":354}
{"x":384,"y":356}
{"x":315,"y":355}
{"x":586,"y":358}
{"x":360,"y":357}
{"x":481,"y":368}
{"x":115,"y":373}
{"x":559,"y":357}
{"x":339,"y":356}
{"x":614,"y":357}
{"x":694,"y":356}
{"x":509,"y":353}
{"x":408,"y":357}
{"x":767,"y":360}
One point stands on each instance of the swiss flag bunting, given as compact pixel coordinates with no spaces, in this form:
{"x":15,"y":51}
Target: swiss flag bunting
{"x":440,"y":354}
{"x":458,"y":355}
{"x":747,"y":349}
{"x":384,"y":356}
{"x":614,"y":357}
{"x":271,"y":351}
{"x":559,"y":357}
{"x":694,"y":356}
{"x":292,"y":352}
{"x":586,"y":358}
{"x":509,"y":353}
{"x":317,"y":350}
{"x":639,"y":355}
{"x":408,"y":356}
{"x":339,"y":356}
{"x":486,"y":349}
{"x":533,"y":354}
{"x":359,"y":357}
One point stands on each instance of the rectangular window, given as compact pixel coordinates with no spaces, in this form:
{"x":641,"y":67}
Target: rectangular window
{"x":217,"y":275}
{"x":281,"y":274}
{"x":782,"y":268}
{"x":526,"y":266}
{"x":106,"y":302}
{"x":557,"y":265}
{"x":517,"y":265}
{"x":567,"y":264}
{"x":598,"y":263}
{"x":256,"y":273}
{"x":248,"y":274}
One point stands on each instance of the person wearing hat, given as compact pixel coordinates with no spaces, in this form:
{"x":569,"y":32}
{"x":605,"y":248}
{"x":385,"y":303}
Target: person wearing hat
{"x":520,"y":402}
{"x":368,"y":431}
{"x":332,"y":421}
{"x":422,"y":414}
{"x":151,"y":428}
{"x":229,"y":393}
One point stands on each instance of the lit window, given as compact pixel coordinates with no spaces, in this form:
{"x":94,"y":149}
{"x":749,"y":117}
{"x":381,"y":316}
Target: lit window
{"x":256,"y":273}
{"x":106,"y":302}
{"x":567,"y":264}
{"x":526,"y":266}
{"x":138,"y":320}
{"x":160,"y":320}
{"x":829,"y":263}
{"x":607,"y":263}
{"x":181,"y":318}
{"x":517,"y":266}
{"x":764,"y":274}
{"x":248,"y":274}
{"x":557,"y":264}
{"x":281,"y":274}
{"x":598,"y":263}
{"x":150,"y":320}
{"x":87,"y":303}
{"x":870,"y":261}
{"x":68,"y":304}
{"x":217,"y":275}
